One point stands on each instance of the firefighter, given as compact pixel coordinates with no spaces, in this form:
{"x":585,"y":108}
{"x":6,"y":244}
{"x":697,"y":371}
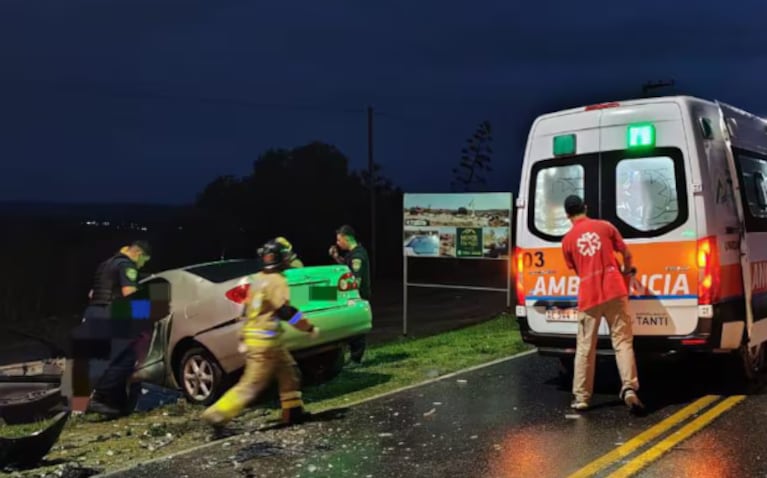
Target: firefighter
{"x":115,"y":278}
{"x":266,"y":307}
{"x":355,"y":256}
{"x":292,"y":258}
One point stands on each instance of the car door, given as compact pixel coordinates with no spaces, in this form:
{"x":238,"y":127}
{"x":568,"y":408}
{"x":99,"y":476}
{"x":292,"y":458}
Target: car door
{"x":152,"y":302}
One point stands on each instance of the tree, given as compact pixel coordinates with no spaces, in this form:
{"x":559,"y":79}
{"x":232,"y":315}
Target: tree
{"x":475,"y":160}
{"x":383,"y":184}
{"x":293,"y":191}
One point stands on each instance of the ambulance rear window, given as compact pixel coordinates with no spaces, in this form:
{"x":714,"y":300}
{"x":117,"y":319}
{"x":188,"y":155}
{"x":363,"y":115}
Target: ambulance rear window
{"x":645,"y":193}
{"x":552,"y":185}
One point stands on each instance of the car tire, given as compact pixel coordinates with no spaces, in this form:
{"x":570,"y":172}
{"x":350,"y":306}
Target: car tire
{"x":322,"y":367}
{"x":200,"y":376}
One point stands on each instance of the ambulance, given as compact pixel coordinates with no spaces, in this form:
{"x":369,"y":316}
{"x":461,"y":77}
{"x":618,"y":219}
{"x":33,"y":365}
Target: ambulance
{"x":685,"y":182}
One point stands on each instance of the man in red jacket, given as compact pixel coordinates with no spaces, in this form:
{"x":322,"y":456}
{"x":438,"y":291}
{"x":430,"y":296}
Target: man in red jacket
{"x":589,"y":249}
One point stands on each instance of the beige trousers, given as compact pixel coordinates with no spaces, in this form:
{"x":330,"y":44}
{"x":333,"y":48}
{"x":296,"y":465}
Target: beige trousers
{"x":261,"y":366}
{"x":618,"y":320}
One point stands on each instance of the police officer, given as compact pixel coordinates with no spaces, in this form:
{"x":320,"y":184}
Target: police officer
{"x":266,"y":308}
{"x":293,"y":261}
{"x":116,"y":278}
{"x":355,"y":256}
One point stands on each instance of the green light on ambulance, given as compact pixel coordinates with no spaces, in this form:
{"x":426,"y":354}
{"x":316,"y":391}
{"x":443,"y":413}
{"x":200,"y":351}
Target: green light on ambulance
{"x":564,"y":144}
{"x":641,"y":136}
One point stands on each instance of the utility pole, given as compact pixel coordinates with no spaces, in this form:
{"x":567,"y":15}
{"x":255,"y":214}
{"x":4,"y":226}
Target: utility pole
{"x":372,"y":185}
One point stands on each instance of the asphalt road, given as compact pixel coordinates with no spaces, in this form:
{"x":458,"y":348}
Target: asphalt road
{"x":510,"y":419}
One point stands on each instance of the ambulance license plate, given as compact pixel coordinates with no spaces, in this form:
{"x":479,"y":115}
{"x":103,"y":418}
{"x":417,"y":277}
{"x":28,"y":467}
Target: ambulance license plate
{"x":562,"y":315}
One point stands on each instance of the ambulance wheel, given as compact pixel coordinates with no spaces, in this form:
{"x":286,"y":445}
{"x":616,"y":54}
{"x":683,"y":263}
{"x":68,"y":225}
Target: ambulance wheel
{"x":201,"y":378}
{"x":751,"y":361}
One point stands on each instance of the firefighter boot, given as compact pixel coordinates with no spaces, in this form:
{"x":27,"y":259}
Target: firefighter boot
{"x":217,"y":422}
{"x":293,"y":411}
{"x":295,"y":416}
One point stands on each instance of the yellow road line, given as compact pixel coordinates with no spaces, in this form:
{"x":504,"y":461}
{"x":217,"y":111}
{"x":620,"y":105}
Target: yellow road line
{"x":643,"y":438}
{"x":678,"y":436}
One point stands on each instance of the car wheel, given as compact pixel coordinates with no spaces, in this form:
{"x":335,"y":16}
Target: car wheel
{"x":200,"y":376}
{"x":322,"y":367}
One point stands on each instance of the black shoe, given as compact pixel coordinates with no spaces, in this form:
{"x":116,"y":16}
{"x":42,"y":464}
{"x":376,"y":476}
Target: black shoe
{"x":95,"y":406}
{"x":220,"y":432}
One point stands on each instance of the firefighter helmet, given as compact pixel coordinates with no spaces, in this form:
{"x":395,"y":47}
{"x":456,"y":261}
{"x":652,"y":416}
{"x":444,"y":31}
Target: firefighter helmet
{"x":273,"y":256}
{"x":285,"y":243}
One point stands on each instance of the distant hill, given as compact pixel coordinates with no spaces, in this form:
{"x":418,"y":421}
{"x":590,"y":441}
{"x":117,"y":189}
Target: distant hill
{"x":91,"y":211}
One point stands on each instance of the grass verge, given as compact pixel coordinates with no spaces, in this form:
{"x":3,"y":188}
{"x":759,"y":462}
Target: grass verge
{"x":143,"y":436}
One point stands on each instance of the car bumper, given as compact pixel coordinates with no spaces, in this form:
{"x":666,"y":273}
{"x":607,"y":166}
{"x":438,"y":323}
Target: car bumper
{"x":705,"y":339}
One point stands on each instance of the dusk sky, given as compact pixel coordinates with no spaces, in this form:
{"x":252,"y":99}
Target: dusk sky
{"x":148,"y":100}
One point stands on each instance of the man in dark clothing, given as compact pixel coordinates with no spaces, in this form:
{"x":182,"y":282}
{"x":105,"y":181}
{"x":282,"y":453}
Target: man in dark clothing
{"x":116,"y":278}
{"x":355,"y":256}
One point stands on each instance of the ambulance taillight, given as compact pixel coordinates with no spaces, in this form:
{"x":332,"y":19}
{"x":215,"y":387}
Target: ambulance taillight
{"x":519,"y":270}
{"x":708,"y":271}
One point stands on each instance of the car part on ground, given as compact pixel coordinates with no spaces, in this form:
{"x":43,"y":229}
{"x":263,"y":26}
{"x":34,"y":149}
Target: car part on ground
{"x":31,"y":449}
{"x":30,"y":406}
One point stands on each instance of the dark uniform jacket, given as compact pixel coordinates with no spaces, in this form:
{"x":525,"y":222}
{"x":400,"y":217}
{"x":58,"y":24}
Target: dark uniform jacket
{"x":111,"y":276}
{"x":358,"y":261}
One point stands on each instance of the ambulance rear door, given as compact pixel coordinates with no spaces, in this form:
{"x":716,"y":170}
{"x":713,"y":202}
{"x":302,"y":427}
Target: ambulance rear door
{"x":646,"y":174}
{"x":562,"y":158}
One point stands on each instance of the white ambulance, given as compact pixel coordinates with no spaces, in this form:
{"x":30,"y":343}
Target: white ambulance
{"x":685,"y":182}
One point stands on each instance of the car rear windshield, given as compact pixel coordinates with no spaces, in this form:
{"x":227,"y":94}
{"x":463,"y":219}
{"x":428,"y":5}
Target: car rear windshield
{"x":228,"y":270}
{"x":643,"y":195}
